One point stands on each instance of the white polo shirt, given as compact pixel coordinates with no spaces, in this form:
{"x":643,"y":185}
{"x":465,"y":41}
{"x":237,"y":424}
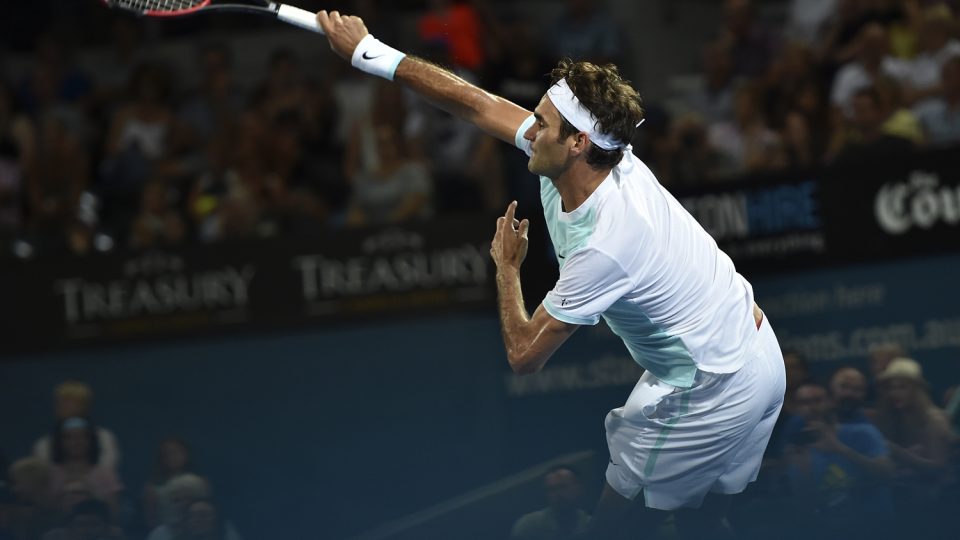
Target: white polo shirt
{"x":634,"y":256}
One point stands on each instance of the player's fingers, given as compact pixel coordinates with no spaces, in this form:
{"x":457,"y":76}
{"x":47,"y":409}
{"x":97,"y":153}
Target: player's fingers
{"x":524,"y":228}
{"x":516,"y":224}
{"x":511,"y":210}
{"x":323,"y":19}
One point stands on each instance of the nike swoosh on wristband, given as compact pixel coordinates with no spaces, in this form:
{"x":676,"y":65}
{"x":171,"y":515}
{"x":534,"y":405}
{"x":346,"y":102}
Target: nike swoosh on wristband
{"x":366,"y":56}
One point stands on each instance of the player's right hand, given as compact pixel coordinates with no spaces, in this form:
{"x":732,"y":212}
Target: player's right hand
{"x":343,"y":31}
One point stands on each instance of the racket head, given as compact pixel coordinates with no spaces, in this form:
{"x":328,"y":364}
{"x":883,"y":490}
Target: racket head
{"x":159,"y":8}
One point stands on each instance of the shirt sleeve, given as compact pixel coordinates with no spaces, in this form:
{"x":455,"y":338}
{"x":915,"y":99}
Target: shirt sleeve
{"x":518,"y":139}
{"x":590,"y":282}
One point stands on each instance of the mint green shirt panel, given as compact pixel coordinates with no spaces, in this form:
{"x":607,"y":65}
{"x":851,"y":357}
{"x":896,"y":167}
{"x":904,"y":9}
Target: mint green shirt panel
{"x":568,"y":235}
{"x":662,"y":354}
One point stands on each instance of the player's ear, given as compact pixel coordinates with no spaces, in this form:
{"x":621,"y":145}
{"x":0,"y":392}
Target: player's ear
{"x":581,"y":143}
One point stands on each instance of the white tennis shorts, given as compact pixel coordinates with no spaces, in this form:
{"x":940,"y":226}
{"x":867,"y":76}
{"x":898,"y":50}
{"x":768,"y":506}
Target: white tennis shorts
{"x":678,"y":444}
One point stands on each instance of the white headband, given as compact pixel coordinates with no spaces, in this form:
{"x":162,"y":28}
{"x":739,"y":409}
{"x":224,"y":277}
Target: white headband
{"x":580,"y":117}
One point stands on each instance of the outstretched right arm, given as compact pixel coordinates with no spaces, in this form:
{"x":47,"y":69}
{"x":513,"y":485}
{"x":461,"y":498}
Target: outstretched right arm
{"x":493,"y":114}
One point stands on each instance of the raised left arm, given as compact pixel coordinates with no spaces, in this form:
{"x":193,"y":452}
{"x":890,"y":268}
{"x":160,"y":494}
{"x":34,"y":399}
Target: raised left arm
{"x":529,"y":341}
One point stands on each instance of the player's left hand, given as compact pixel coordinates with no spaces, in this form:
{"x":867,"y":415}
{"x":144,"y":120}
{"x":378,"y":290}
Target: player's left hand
{"x":509,"y":245}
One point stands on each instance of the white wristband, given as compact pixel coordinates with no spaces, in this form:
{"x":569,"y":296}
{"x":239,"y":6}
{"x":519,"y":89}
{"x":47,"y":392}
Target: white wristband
{"x":376,"y":58}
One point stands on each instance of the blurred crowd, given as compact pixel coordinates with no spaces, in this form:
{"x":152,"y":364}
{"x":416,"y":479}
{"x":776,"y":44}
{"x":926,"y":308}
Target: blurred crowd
{"x":124,"y":154}
{"x":855,"y":455}
{"x":835,"y":81}
{"x":70,"y":487}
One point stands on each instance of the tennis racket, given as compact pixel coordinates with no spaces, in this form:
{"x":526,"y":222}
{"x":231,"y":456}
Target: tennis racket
{"x":177,"y":8}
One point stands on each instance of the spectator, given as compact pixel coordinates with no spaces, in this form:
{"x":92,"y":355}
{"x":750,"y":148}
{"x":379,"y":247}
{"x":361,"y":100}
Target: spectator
{"x":880,"y":356}
{"x":848,"y":390}
{"x":563,"y":517}
{"x":17,"y":139}
{"x":585,"y":30}
{"x":839,"y":46}
{"x":747,"y":143}
{"x":225,"y":201}
{"x":87,"y":520}
{"x":872,"y":66}
{"x":75,"y":457}
{"x":901,"y":121}
{"x":806,"y":129}
{"x":921,"y":75}
{"x":714,"y":100}
{"x":750,"y":44}
{"x":158,"y":224}
{"x":789,"y":71}
{"x":798,"y":373}
{"x":917,"y":432}
{"x":54,"y":81}
{"x":204,"y":522}
{"x":30,"y":483}
{"x":57,"y":176}
{"x":172,"y":462}
{"x":809,"y":19}
{"x":181,"y":491}
{"x":518,"y":74}
{"x":184,"y":491}
{"x":940,"y":116}
{"x":685,"y":157}
{"x":73,"y":493}
{"x":211,"y":109}
{"x":519,"y":70}
{"x":454,"y":30}
{"x":836,"y":469}
{"x":389,"y":184}
{"x":128,"y":49}
{"x":865,"y":136}
{"x":74,"y":399}
{"x":142,"y":139}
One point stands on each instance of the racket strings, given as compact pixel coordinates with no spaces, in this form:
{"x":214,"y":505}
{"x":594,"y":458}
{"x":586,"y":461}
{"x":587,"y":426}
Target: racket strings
{"x":161,"y":5}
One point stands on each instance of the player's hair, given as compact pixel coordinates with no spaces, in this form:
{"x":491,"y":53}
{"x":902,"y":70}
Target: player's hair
{"x":617,"y":105}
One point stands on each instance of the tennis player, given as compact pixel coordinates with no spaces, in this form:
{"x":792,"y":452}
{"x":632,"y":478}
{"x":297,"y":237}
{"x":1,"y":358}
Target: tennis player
{"x":701,"y":415}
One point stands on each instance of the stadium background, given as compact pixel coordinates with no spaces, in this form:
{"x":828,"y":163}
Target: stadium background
{"x":334,"y":373}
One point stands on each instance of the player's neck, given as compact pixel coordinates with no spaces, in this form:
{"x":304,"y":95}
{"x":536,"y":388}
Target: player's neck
{"x":578,"y":182}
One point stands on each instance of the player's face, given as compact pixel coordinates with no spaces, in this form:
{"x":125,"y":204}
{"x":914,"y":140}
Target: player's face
{"x":550,"y":155}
